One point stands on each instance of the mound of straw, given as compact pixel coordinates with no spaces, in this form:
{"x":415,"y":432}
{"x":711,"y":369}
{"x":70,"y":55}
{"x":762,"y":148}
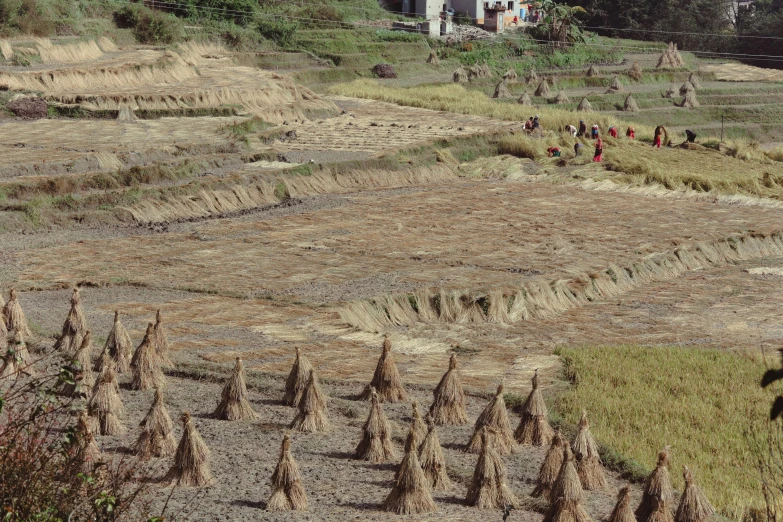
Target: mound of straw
{"x":525,"y":100}
{"x":190,"y":466}
{"x":432,"y":59}
{"x":288,"y":494}
{"x":593,"y":71}
{"x":386,"y":379}
{"x":685,"y":88}
{"x":448,"y":405}
{"x":567,"y":495}
{"x":495,"y":419}
{"x":376,"y":445}
{"x":561,"y":98}
{"x":534,"y":427}
{"x":105,"y":404}
{"x":622,"y":511}
{"x":3,"y":331}
{"x":312,"y":408}
{"x":161,"y":342}
{"x":14,"y":315}
{"x":84,"y":379}
{"x":671,"y":58}
{"x":658,"y":494}
{"x":510,"y":75}
{"x":488,"y":488}
{"x":671,"y":92}
{"x":630,"y":104}
{"x":432,"y":461}
{"x":543,"y":89}
{"x":615,"y":86}
{"x":584,"y":105}
{"x":550,"y":468}
{"x":234,"y":404}
{"x":145,"y":364}
{"x":157,"y":438}
{"x":88,"y":453}
{"x":689,"y":101}
{"x":417,"y":424}
{"x":532,"y":76}
{"x":501,"y":90}
{"x":588,"y":461}
{"x":10,"y":366}
{"x":636,"y":71}
{"x":411,"y":492}
{"x":74,"y":326}
{"x":460,"y":75}
{"x":694,"y":506}
{"x":119,"y":345}
{"x":23,"y":357}
{"x":297,"y":379}
{"x":694,"y":80}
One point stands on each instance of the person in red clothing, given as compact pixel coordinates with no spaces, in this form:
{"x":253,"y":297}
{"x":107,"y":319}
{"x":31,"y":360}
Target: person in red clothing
{"x":553,"y":152}
{"x":659,"y":130}
{"x":613,"y":132}
{"x":599,"y":150}
{"x":630,"y":133}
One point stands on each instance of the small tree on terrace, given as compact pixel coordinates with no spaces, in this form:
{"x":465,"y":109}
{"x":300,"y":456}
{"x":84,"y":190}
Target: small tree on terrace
{"x":560,"y":24}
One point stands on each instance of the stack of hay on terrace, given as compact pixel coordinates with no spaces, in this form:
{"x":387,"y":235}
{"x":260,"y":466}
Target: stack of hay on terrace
{"x":616,"y":86}
{"x":448,"y":405}
{"x":495,"y":419}
{"x":190,"y":466}
{"x":694,"y":80}
{"x":671,"y":92}
{"x":145,"y":364}
{"x":567,"y":495}
{"x":561,"y":98}
{"x":622,"y":511}
{"x":432,"y":461}
{"x":156,"y":439}
{"x":532,"y":76}
{"x":488,"y":488}
{"x":376,"y":445}
{"x":460,"y":75}
{"x":234,"y":404}
{"x":685,"y":88}
{"x":21,"y":353}
{"x":550,"y":468}
{"x":74,"y":327}
{"x":83,"y":377}
{"x":689,"y":101}
{"x":119,"y":345}
{"x":593,"y":71}
{"x":630,"y":105}
{"x":386,"y":379}
{"x":297,"y":379}
{"x":161,"y":342}
{"x":411,"y":492}
{"x":588,"y":461}
{"x":105,"y":404}
{"x":312,"y":408}
{"x":533,"y":426}
{"x":486,"y":70}
{"x":126,"y":113}
{"x":89,"y":452}
{"x":13,"y":314}
{"x":511,"y":75}
{"x":501,"y":90}
{"x":433,"y":58}
{"x":543,"y":89}
{"x":694,"y":506}
{"x":658,"y":494}
{"x":671,"y":58}
{"x":384,"y":70}
{"x":584,"y":105}
{"x":636,"y":71}
{"x":6,"y":50}
{"x":287,"y":491}
{"x":525,"y":100}
{"x":417,"y":424}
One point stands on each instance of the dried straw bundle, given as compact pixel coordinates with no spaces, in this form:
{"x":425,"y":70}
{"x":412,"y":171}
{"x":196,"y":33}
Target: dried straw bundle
{"x":234,"y":404}
{"x":671,"y":92}
{"x":417,"y":424}
{"x":568,"y":494}
{"x":287,"y":491}
{"x":694,"y":506}
{"x":119,"y":345}
{"x":145,"y":365}
{"x":190,"y":466}
{"x":494,"y":417}
{"x":448,"y":404}
{"x":525,"y":100}
{"x":588,"y":461}
{"x":593,"y":72}
{"x":636,"y":71}
{"x":488,"y":488}
{"x":14,"y":316}
{"x":84,"y":378}
{"x":675,"y":54}
{"x":297,"y":379}
{"x":561,"y":98}
{"x":550,"y":468}
{"x":533,"y":426}
{"x":312,"y":408}
{"x":658,"y":493}
{"x":460,"y":75}
{"x":386,"y":379}
{"x":74,"y":326}
{"x":10,"y":366}
{"x":543,"y":89}
{"x":3,"y":332}
{"x":532,"y":76}
{"x":411,"y":492}
{"x":161,"y":342}
{"x":630,"y":105}
{"x":584,"y":105}
{"x":88,"y":452}
{"x":433,"y":58}
{"x":501,"y":90}
{"x":694,"y":80}
{"x":686,"y":88}
{"x":689,"y":101}
{"x":622,"y":511}
{"x":23,"y":356}
{"x":432,"y":461}
{"x":510,"y":75}
{"x":156,"y":439}
{"x":485,"y":71}
{"x":376,"y":445}
{"x":105,"y":404}
{"x":615,"y":86}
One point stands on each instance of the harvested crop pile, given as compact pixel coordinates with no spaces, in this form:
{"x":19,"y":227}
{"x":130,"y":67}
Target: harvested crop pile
{"x":384,"y":70}
{"x":28,"y":108}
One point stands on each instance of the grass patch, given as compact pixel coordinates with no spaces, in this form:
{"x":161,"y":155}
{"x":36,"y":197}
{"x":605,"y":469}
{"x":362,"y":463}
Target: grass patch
{"x":699,"y":401}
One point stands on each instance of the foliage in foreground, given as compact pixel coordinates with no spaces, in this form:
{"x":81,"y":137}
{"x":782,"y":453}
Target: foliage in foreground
{"x":705,"y":403}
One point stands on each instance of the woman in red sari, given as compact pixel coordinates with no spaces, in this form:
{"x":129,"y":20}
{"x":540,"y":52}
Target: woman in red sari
{"x":599,"y":150}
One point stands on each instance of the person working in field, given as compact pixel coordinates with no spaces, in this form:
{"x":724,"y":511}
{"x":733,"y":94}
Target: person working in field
{"x":529,"y":124}
{"x":553,"y":152}
{"x":582,"y":128}
{"x":660,"y":130}
{"x":630,"y":132}
{"x":570,"y":129}
{"x":613,"y":132}
{"x":599,"y":150}
{"x":594,"y":132}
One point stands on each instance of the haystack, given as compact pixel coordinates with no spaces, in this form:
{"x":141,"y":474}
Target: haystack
{"x":677,"y":59}
{"x":460,"y":75}
{"x":636,"y":71}
{"x":567,"y":494}
{"x":501,"y":90}
{"x":82,"y":361}
{"x":525,"y":100}
{"x":689,"y":101}
{"x":14,"y":316}
{"x":126,"y":114}
{"x":550,"y":468}
{"x":234,"y":404}
{"x":376,"y":445}
{"x":10,"y":366}
{"x":386,"y":379}
{"x":432,"y":461}
{"x":671,"y":58}
{"x":145,"y":365}
{"x":105,"y":404}
{"x":161,"y":342}
{"x":312,"y":408}
{"x":694,"y":80}
{"x":694,"y":506}
{"x":411,"y":492}
{"x":88,"y":453}
{"x":22,"y":354}
{"x":3,"y":332}
{"x":658,"y":493}
{"x":588,"y":461}
{"x":488,"y":488}
{"x":533,"y":426}
{"x":561,"y":98}
{"x":432,"y":59}
{"x":486,"y":70}
{"x":119,"y":345}
{"x":495,"y":418}
{"x":297,"y":379}
{"x":543,"y":89}
{"x":630,"y":105}
{"x":531,"y":76}
{"x":615,"y":86}
{"x":584,"y":105}
{"x":156,"y":439}
{"x":448,"y":404}
{"x":593,"y":71}
{"x":686,"y":88}
{"x":417,"y":424}
{"x":74,"y":327}
{"x":287,"y":491}
{"x":511,"y":75}
{"x":671,"y":92}
{"x":622,"y":511}
{"x":190,"y":466}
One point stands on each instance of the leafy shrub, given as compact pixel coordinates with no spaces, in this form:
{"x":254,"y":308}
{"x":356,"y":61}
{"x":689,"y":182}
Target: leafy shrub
{"x":29,"y":16}
{"x":462,"y":18}
{"x":149,"y":26}
{"x":385,"y":35}
{"x":323,"y":16}
{"x":278,"y":30}
{"x":240,"y":12}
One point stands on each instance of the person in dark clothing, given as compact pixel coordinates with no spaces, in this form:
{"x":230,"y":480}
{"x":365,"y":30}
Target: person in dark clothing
{"x":577,"y":149}
{"x":691,"y":136}
{"x":582,"y":128}
{"x":536,"y":123}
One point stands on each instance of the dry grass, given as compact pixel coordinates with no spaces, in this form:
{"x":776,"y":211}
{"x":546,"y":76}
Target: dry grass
{"x":642,"y":399}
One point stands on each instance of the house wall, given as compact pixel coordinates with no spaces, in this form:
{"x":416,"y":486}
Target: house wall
{"x":429,"y":9}
{"x":475,"y":8}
